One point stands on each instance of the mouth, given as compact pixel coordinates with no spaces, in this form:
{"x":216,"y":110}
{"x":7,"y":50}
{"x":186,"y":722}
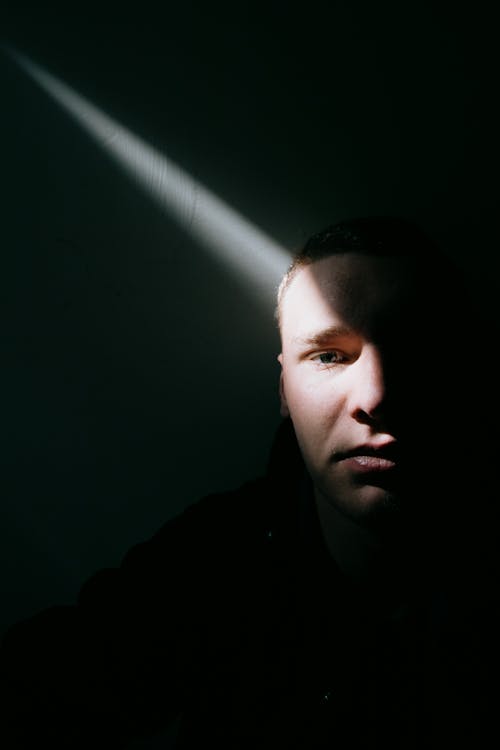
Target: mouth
{"x":368,"y":459}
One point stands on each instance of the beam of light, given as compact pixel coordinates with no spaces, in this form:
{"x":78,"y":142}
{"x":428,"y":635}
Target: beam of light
{"x":213,"y":223}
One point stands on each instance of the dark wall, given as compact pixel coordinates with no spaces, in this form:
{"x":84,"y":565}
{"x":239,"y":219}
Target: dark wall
{"x":138,"y":373}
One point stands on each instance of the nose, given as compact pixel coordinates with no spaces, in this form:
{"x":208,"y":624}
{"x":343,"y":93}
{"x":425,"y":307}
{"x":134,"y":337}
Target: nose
{"x":368,"y":394}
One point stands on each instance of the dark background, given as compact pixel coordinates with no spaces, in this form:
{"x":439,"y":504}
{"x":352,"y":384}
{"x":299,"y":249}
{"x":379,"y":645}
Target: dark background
{"x":137,"y":373}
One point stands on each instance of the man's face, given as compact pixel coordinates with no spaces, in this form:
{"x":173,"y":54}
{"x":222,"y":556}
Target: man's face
{"x":349,"y":355}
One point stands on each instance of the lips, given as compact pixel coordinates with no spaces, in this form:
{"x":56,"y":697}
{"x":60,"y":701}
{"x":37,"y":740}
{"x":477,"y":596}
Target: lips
{"x":368,"y":458}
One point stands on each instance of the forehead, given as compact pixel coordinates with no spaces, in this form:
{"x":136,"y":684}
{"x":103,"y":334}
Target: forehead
{"x":357,"y":290}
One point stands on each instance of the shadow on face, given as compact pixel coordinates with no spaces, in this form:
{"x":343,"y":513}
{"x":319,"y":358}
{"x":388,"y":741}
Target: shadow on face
{"x":411,"y":368}
{"x":419,"y":317}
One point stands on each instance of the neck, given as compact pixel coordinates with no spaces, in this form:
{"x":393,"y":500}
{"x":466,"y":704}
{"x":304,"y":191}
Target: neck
{"x":378,"y":560}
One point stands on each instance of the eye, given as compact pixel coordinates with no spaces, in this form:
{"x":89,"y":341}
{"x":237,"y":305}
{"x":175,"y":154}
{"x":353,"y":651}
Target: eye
{"x":332,"y":357}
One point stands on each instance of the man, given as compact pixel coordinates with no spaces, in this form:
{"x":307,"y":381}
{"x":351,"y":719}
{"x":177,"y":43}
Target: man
{"x":348,"y":598}
{"x":373,"y":320}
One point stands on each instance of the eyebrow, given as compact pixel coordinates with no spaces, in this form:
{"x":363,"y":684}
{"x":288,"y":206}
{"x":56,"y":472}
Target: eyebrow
{"x":324,"y":337}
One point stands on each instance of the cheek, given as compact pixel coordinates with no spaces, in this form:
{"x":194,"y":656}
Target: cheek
{"x":314,"y":404}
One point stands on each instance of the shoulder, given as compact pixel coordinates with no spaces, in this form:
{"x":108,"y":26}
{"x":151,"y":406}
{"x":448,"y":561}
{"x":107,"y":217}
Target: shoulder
{"x":219,"y":520}
{"x":204,"y":545}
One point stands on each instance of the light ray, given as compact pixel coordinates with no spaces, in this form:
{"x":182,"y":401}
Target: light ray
{"x":213,"y":223}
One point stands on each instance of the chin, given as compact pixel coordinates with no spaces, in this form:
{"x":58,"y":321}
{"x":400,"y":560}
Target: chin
{"x":369,"y":505}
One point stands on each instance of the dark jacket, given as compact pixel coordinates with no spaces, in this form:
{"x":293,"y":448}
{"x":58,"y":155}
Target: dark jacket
{"x":234,"y":623}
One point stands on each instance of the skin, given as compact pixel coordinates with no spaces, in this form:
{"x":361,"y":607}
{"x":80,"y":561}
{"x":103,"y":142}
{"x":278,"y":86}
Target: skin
{"x":348,"y":329}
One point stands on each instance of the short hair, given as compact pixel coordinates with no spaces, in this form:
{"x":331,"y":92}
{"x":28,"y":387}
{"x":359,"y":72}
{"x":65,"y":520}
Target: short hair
{"x":372,"y":235}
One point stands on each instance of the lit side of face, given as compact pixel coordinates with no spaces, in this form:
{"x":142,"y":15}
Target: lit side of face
{"x":334,"y":383}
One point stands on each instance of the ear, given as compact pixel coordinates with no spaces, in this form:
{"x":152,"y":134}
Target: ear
{"x":284,"y":406}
